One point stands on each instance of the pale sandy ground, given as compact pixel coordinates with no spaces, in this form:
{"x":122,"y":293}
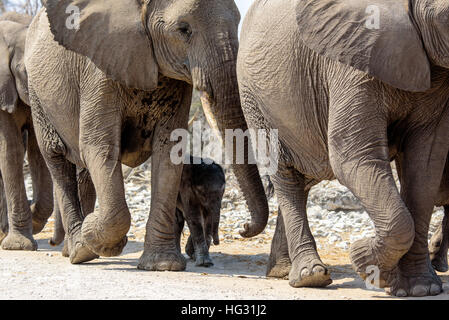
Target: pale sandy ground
{"x":238,"y":273}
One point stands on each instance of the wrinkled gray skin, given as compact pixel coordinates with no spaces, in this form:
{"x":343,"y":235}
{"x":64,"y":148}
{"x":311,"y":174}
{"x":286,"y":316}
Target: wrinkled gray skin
{"x":346,"y":100}
{"x":123,"y":82}
{"x":19,"y":221}
{"x":199,"y":203}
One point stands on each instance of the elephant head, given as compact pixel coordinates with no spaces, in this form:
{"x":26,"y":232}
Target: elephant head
{"x":135,"y":41}
{"x":13,"y":78}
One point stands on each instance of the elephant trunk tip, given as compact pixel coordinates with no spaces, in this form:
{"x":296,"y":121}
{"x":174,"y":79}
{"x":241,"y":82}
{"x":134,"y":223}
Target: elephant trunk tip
{"x":54,"y":242}
{"x":252,"y":229}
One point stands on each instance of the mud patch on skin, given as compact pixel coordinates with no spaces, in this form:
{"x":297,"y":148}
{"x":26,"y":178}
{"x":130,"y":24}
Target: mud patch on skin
{"x":146,"y":110}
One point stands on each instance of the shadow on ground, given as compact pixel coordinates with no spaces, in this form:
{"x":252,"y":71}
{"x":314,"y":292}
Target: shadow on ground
{"x":250,"y":266}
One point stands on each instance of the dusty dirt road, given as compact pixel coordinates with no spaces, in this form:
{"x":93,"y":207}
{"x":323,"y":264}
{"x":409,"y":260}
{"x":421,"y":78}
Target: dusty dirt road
{"x":238,"y":273}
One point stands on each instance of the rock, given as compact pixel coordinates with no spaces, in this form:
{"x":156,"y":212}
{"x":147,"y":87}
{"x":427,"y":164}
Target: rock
{"x":333,"y":238}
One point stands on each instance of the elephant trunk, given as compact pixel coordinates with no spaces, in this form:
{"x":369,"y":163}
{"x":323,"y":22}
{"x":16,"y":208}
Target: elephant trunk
{"x":221,"y":104}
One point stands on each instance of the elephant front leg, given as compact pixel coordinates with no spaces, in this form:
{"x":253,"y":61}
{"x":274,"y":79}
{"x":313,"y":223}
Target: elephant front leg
{"x":421,"y":165}
{"x":42,"y":206}
{"x":104,"y":231}
{"x":161,"y":252}
{"x":439,"y":244}
{"x":279,"y":264}
{"x":19,"y":235}
{"x":307,"y":268}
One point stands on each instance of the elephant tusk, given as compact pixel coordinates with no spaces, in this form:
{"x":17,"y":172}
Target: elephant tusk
{"x":205,"y":101}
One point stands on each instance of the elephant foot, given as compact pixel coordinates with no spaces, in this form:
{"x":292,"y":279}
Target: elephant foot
{"x":364,"y":262}
{"x":203,"y":260}
{"x":78,"y":251}
{"x":162,"y":261}
{"x":279,"y":269}
{"x":416,"y":284}
{"x":96,"y":241}
{"x":309,"y":271}
{"x":438,"y":252}
{"x":19,"y":241}
{"x":38,"y":221}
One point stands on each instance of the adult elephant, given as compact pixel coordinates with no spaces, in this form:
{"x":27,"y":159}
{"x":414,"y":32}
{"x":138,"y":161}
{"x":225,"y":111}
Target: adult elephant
{"x":123,"y":73}
{"x":18,"y":220}
{"x":347,"y":93}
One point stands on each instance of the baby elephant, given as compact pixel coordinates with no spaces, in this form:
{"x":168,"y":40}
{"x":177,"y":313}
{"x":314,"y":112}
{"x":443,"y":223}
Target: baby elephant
{"x":199,"y":203}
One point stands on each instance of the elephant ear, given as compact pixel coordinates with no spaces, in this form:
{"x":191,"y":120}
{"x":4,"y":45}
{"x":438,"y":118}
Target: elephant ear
{"x":111,"y":34}
{"x":8,"y":91}
{"x":375,"y":36}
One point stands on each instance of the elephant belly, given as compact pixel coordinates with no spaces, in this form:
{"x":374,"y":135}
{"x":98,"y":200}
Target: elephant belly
{"x":300,"y":113}
{"x":306,"y":147}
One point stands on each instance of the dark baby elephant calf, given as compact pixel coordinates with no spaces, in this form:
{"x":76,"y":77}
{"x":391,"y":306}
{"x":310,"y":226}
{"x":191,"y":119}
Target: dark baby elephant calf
{"x":199,"y":203}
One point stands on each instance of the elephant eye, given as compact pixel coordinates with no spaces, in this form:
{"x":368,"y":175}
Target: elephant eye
{"x":185,"y":30}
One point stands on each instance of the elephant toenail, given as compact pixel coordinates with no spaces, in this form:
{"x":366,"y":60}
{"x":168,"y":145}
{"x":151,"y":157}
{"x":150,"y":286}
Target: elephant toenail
{"x":401,"y":293}
{"x":319,"y":270}
{"x":419,"y":291}
{"x":435,"y":289}
{"x":305,"y":273}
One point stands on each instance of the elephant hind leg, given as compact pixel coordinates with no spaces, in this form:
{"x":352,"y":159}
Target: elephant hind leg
{"x":421,"y":163}
{"x":66,"y":193}
{"x":42,"y":207}
{"x":65,"y":186}
{"x":11,"y":166}
{"x":279,"y":264}
{"x":307,"y":268}
{"x":87,"y":197}
{"x":439,"y":244}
